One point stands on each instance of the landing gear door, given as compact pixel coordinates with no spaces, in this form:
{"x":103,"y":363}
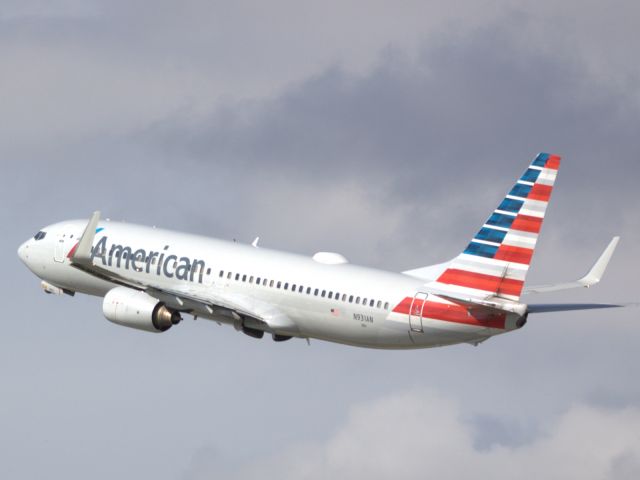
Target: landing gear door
{"x":415,"y":312}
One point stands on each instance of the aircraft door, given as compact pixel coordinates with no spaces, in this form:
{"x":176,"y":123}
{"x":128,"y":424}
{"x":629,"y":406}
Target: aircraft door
{"x":415,"y":312}
{"x":58,"y":252}
{"x":61,"y":246}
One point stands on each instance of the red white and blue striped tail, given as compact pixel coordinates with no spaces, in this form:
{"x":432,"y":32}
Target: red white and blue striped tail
{"x":496,"y":261}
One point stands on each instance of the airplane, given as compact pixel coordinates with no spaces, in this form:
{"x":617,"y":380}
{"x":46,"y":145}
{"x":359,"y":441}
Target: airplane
{"x":150,"y":278}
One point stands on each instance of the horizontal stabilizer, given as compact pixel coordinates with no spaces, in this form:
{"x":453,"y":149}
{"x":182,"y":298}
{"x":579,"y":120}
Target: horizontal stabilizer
{"x":591,"y":278}
{"x":564,"y":307}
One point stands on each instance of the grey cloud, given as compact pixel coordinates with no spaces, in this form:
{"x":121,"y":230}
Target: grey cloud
{"x":457,"y":125}
{"x":413,"y":120}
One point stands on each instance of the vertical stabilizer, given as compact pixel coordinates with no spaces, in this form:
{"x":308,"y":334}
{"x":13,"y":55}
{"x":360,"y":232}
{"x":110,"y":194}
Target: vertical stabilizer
{"x":497,"y":259}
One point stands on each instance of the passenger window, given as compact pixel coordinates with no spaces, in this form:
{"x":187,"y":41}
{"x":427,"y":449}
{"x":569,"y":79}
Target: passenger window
{"x":308,"y":290}
{"x":350,"y":298}
{"x":330,"y":295}
{"x":244,"y":278}
{"x":221,"y":273}
{"x":315,"y":292}
{"x":264,"y":282}
{"x":358,"y":300}
{"x":379,"y":303}
{"x":229,"y":276}
{"x":344,"y":297}
{"x":237,"y":277}
{"x":258,"y":281}
{"x":364,"y":302}
{"x":271,"y":283}
{"x":371,"y":303}
{"x":279,"y":284}
{"x":300,"y":288}
{"x":251,"y":279}
{"x":386,"y":305}
{"x":286,"y":286}
{"x":323,"y":293}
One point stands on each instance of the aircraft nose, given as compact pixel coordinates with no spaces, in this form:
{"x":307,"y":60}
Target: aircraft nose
{"x":23,"y":252}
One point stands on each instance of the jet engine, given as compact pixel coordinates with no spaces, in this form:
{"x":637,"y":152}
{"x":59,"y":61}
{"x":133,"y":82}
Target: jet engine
{"x":136,"y":309}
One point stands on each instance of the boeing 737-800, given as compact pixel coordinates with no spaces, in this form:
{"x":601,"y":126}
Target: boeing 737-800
{"x":150,"y":278}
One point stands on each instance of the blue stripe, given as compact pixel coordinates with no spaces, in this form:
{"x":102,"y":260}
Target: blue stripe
{"x":509,"y":205}
{"x":520,"y":190}
{"x":491,"y":235}
{"x":541,"y":160}
{"x":531,"y":175}
{"x":500,"y":220}
{"x":481,"y":250}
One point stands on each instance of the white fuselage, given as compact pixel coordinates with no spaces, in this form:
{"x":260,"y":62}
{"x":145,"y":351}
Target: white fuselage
{"x":340,"y":302}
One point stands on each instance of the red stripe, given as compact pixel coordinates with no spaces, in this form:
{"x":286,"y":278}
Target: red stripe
{"x":553,"y":162}
{"x":481,"y":281}
{"x":404,"y":305}
{"x":540,"y":192}
{"x":510,"y":253}
{"x":71,"y":252}
{"x":525,"y":223}
{"x":455,"y":313}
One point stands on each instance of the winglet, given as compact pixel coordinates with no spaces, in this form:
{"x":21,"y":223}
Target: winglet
{"x":597,"y":271}
{"x":591,"y":278}
{"x":82,"y":253}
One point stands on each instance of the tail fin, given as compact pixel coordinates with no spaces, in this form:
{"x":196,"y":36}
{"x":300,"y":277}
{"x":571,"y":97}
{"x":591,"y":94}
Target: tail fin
{"x":496,"y":261}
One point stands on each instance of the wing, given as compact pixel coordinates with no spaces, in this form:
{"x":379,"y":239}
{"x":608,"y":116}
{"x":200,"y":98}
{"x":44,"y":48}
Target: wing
{"x":591,"y":278}
{"x":187,"y":298}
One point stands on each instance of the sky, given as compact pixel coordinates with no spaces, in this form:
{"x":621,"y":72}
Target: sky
{"x":386,"y":131}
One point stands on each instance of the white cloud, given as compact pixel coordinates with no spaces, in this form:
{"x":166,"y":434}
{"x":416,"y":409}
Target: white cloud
{"x":421,"y":434}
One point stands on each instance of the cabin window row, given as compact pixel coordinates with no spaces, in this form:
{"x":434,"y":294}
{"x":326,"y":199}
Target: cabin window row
{"x":329,"y":294}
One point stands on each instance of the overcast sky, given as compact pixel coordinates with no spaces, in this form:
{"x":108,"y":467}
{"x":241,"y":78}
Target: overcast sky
{"x":386,"y":131}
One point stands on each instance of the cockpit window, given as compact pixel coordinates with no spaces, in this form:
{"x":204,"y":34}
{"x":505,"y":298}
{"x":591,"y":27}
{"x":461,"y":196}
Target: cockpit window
{"x":40,"y":235}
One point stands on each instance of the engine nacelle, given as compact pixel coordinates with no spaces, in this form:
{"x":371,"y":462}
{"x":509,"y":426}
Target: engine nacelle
{"x":135,"y":309}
